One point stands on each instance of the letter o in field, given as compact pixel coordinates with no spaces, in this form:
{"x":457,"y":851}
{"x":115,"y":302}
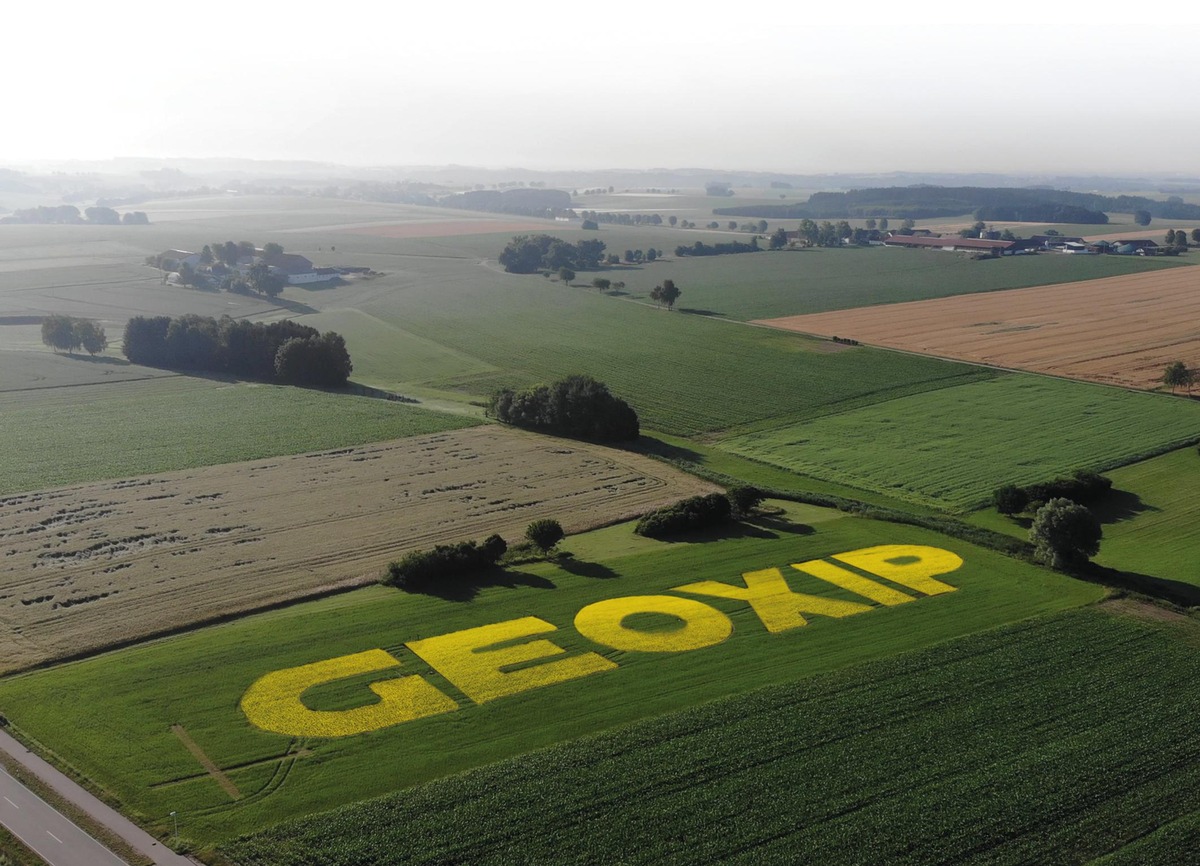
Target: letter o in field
{"x":604,"y":623}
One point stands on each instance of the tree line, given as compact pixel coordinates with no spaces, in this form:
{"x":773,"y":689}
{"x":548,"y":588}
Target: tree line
{"x":274,"y":352}
{"x":578,"y":406}
{"x":68,"y":214}
{"x":528,"y":254}
{"x":67,"y":333}
{"x":699,"y":248}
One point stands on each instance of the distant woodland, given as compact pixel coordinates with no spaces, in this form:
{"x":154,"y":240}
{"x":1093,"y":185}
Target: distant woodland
{"x":985,"y":203}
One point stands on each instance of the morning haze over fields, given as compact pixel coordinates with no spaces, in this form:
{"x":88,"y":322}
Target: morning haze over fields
{"x":546,"y":435}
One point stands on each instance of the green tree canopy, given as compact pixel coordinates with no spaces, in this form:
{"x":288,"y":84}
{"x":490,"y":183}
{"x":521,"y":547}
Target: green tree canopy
{"x":1064,"y":534}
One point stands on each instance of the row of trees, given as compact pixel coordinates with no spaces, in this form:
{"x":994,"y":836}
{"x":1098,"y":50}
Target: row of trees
{"x":666,"y":294}
{"x":279,"y":351}
{"x":577,"y":406}
{"x":528,"y":254}
{"x":699,"y":248}
{"x":67,"y":334}
{"x":1180,"y":238}
{"x":699,"y":513}
{"x":68,"y":214}
{"x":1083,"y":487}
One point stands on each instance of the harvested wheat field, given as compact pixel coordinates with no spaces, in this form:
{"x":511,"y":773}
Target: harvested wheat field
{"x":91,"y":566}
{"x":1117,"y":330}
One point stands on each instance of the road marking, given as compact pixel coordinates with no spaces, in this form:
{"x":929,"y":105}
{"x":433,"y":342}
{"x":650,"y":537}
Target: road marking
{"x":55,"y":838}
{"x":11,"y":803}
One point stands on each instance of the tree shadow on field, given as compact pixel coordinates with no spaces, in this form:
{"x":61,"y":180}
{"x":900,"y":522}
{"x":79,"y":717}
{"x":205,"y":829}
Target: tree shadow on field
{"x":781,"y":525}
{"x":291,"y":306}
{"x":1174,"y":591}
{"x":97,"y":359}
{"x":696,"y":311}
{"x":567,"y":562}
{"x":650,"y":445}
{"x":1120,"y":505}
{"x":468,"y":588}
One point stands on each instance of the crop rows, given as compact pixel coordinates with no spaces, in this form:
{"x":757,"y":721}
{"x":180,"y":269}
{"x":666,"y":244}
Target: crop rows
{"x":954,"y":446}
{"x":997,"y":748}
{"x":684,"y":374}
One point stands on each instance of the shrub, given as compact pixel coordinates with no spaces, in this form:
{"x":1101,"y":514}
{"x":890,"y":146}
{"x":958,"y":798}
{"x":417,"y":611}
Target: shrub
{"x":1084,"y":487}
{"x":578,"y":406}
{"x":545,"y":533}
{"x":445,"y":563}
{"x":1010,"y":499}
{"x":687,"y":515}
{"x":743,"y":498}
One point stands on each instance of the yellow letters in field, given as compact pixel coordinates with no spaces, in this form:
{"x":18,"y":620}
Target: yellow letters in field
{"x":911,"y":565}
{"x":472,"y":661}
{"x":273,"y":701}
{"x":769,"y":595}
{"x":604,"y":623}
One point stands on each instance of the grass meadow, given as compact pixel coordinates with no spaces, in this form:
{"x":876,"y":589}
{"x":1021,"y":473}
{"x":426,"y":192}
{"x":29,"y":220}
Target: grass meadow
{"x":996,"y":748}
{"x":124,"y":743}
{"x":951,"y":448}
{"x":70,"y":434}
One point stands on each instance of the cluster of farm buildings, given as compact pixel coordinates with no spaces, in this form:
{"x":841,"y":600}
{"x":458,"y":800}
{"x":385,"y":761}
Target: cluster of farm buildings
{"x":1023,"y":246}
{"x":292,"y":268}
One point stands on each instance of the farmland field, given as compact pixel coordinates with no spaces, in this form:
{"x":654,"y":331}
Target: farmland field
{"x":88,"y":567}
{"x":993,"y":749}
{"x":126,"y":745}
{"x":67,"y":435}
{"x":953,"y":447}
{"x":1120,"y":330}
{"x":1152,"y":524}
{"x":794,"y":282}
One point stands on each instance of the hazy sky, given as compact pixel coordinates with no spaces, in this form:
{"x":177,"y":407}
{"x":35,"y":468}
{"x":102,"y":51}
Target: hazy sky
{"x":770,"y":86}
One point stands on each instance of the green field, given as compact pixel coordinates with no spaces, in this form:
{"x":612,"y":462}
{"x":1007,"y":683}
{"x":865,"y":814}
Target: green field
{"x":1151,"y":518}
{"x":65,"y":435}
{"x":954,"y":446}
{"x":792,"y":282}
{"x":994,"y":749}
{"x":124,"y":743}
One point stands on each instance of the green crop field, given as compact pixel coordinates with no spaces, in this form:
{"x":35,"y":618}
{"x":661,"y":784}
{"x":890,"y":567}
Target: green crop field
{"x":792,"y":282}
{"x":954,"y":446}
{"x":64,"y":435}
{"x":125,"y":744}
{"x":1152,"y":522}
{"x":994,"y":749}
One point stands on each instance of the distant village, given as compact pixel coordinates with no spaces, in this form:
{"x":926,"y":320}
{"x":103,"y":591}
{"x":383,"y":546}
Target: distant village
{"x":923,"y":238}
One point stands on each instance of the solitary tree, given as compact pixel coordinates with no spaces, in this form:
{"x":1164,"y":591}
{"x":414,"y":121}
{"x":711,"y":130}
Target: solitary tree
{"x":870,"y":224}
{"x":1142,"y":217}
{"x":1064,"y":534}
{"x":545,"y":533}
{"x":671,"y":220}
{"x":1196,"y":236}
{"x":668,"y":293}
{"x":883,"y":224}
{"x":1177,"y":375}
{"x":1170,"y":238}
{"x":778,"y":239}
{"x":272,"y":250}
{"x":733,"y":225}
{"x":566,"y":275}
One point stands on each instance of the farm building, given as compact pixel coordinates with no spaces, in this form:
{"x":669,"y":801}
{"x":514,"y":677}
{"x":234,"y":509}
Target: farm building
{"x":180,"y":257}
{"x":952,"y":243}
{"x":1135,"y":247}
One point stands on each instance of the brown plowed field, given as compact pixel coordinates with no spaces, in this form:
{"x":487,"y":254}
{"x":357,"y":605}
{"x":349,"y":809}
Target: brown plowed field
{"x":87,"y":567}
{"x":1118,"y":330}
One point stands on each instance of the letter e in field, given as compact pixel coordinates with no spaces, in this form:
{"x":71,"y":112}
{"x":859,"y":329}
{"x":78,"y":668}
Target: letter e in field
{"x":473,"y":660}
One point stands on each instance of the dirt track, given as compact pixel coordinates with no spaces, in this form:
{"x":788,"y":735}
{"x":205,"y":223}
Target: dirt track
{"x":90,"y":566}
{"x":1118,"y":330}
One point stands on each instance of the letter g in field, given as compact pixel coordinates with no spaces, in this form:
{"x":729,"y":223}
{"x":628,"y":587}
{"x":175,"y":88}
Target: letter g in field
{"x":273,"y":702}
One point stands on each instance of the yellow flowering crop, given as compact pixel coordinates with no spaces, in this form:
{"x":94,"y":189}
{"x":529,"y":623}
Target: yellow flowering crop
{"x":603,"y":622}
{"x":273,"y":702}
{"x":472,"y":660}
{"x":768,"y":594}
{"x":911,"y":565}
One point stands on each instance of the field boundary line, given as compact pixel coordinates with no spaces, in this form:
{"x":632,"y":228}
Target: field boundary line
{"x":206,"y":762}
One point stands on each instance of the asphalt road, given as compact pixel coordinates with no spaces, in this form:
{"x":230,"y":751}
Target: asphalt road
{"x":50,"y":835}
{"x":55,"y":839}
